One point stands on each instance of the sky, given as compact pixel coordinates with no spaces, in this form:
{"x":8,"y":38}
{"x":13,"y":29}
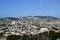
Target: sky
{"x":18,"y":8}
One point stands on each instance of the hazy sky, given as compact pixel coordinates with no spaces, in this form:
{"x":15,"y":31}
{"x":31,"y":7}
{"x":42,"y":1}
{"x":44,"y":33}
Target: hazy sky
{"x":17,"y":8}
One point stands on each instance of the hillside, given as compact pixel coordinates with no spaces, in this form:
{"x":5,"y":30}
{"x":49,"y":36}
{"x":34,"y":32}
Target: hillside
{"x":29,"y":25}
{"x":39,"y":21}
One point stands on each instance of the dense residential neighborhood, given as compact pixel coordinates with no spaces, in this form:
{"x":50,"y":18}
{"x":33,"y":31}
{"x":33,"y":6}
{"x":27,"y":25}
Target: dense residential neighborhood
{"x":29,"y":25}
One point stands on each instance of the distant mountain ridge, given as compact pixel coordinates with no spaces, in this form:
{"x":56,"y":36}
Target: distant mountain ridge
{"x":43,"y":17}
{"x":27,"y":17}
